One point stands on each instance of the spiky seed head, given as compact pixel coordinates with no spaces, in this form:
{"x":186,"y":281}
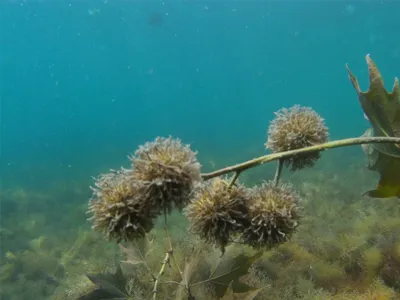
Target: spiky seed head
{"x":295,"y":128}
{"x":218,"y":211}
{"x":119,"y":207}
{"x":274,"y":215}
{"x":169,"y":168}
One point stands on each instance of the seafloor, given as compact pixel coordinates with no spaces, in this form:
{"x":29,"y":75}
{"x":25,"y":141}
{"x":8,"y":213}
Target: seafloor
{"x":347,"y":246}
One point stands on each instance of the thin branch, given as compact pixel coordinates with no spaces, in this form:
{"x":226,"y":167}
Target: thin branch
{"x":280,"y":155}
{"x":171,"y":250}
{"x":234,"y":178}
{"x":172,"y":257}
{"x":172,"y":282}
{"x":278,"y":171}
{"x":164,"y":263}
{"x":217,"y":277}
{"x":167,"y":260}
{"x":165,"y":217}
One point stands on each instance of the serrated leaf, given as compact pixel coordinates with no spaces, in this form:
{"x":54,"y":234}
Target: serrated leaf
{"x":230,"y":295}
{"x":110,"y":286}
{"x":138,"y":252}
{"x":191,"y":263}
{"x":234,"y":264}
{"x":99,"y":294}
{"x":382,"y":109}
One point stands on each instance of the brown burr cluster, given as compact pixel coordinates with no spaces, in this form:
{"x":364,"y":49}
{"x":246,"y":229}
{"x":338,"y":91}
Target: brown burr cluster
{"x":296,"y":128}
{"x":126,"y":202}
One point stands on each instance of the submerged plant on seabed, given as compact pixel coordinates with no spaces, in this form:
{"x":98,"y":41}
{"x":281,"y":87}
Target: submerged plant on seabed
{"x":221,"y":211}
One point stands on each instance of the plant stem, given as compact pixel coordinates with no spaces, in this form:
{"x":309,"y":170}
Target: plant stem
{"x":281,"y":155}
{"x":278,"y":171}
{"x":169,"y":256}
{"x":234,"y":178}
{"x":175,"y":263}
{"x":164,"y":263}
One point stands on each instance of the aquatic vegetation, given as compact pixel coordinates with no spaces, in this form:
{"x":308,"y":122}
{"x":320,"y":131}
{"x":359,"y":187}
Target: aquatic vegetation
{"x":35,"y":260}
{"x":39,"y":266}
{"x":165,"y":174}
{"x":383,"y":112}
{"x":273,"y":214}
{"x":125,"y":202}
{"x":169,"y":171}
{"x":120,"y":208}
{"x":108,"y":286}
{"x":225,"y":240}
{"x":296,"y":128}
{"x":305,"y":267}
{"x":218,"y":210}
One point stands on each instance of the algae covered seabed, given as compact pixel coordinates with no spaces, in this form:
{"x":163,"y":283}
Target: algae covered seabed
{"x":347,"y":246}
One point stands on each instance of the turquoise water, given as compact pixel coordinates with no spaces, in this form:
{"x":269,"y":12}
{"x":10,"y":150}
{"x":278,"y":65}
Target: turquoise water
{"x":84,"y":83}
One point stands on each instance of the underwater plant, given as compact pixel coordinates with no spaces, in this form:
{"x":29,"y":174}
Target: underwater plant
{"x":165,"y":174}
{"x":218,"y":210}
{"x":296,"y":128}
{"x":383,"y":112}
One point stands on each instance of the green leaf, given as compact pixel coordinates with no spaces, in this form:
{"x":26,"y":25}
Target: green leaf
{"x":230,"y":295}
{"x":192,"y":262}
{"x":109,"y":286}
{"x":100,"y":294}
{"x":382,"y":109}
{"x":138,"y":252}
{"x":229,"y":268}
